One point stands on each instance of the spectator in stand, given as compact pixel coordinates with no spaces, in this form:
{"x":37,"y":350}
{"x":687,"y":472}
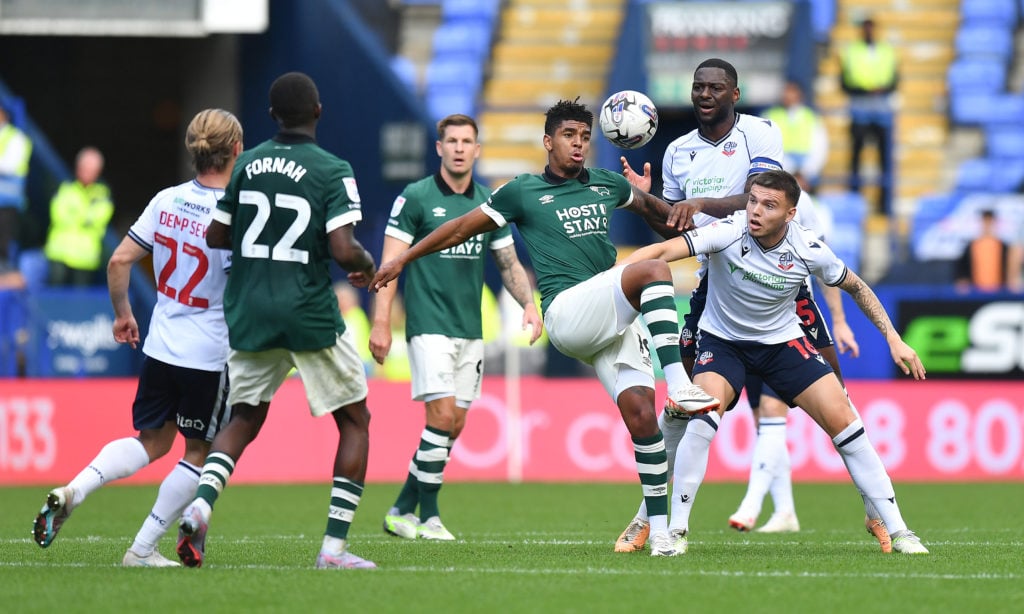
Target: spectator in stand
{"x":869,"y":76}
{"x":984,"y":265}
{"x":804,"y":138}
{"x":1015,"y":273}
{"x":15,"y":152}
{"x":79,"y":214}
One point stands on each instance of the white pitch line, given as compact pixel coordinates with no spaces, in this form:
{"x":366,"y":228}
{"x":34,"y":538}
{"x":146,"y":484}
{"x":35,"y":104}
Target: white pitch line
{"x":589,"y":571}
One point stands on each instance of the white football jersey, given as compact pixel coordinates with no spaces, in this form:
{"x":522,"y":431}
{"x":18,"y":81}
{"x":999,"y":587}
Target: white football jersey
{"x":695,"y":167}
{"x":752,"y":296}
{"x":187,"y":328}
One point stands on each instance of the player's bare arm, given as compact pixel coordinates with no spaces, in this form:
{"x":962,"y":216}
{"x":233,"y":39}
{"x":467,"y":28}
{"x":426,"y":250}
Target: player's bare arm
{"x":126,"y":329}
{"x":517,"y":282}
{"x":654,"y":211}
{"x":218,"y":235}
{"x":452,"y":232}
{"x":350,"y":254}
{"x":902,"y":354}
{"x":841,"y":331}
{"x":670,"y":250}
{"x":380,"y":331}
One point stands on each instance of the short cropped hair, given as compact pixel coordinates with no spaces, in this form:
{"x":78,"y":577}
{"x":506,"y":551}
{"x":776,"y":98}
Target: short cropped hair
{"x":211,"y":138}
{"x":455,"y":119}
{"x":293,"y":99}
{"x":729,"y":69}
{"x":566,"y":110}
{"x":780,"y":180}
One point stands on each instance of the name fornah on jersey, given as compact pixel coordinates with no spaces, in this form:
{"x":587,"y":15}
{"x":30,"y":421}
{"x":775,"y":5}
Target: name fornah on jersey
{"x":282,"y":166}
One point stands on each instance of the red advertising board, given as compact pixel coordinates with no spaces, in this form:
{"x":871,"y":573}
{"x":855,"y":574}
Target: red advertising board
{"x":568,"y":431}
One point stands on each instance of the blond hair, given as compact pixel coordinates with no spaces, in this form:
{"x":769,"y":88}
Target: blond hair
{"x":211,"y":138}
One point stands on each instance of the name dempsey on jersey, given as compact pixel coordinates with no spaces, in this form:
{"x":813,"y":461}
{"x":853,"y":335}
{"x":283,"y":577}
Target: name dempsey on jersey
{"x":775,"y":282}
{"x":281,"y":166}
{"x":178,"y":222}
{"x":585,"y":219}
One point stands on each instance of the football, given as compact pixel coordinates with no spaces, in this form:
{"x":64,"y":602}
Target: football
{"x":628,"y":119}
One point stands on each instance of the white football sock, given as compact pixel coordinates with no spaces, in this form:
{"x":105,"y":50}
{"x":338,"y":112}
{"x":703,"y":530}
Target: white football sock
{"x":118,"y":459}
{"x":176,"y":491}
{"x":690,"y":466}
{"x":763,"y":464}
{"x":869,"y":474}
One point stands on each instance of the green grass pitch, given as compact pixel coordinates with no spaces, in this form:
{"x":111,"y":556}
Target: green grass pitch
{"x":526,"y":548}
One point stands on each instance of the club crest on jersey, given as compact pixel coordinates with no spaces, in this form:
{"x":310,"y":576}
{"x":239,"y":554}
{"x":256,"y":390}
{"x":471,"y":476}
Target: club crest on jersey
{"x":686,"y":337}
{"x":729,"y":148}
{"x":786,"y":261}
{"x":705,"y":358}
{"x":439,"y":211}
{"x":547,"y":199}
{"x":601,"y":190}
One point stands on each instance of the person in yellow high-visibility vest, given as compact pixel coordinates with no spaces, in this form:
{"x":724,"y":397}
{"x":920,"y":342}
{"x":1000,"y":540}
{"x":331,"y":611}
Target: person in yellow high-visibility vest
{"x":15,"y":152}
{"x":804,"y":138}
{"x":870,"y":73}
{"x":79,"y":214}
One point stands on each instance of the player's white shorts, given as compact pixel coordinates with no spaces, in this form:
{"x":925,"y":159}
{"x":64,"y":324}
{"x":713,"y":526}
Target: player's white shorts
{"x":446,"y":366}
{"x":332,"y":377}
{"x":594,"y":322}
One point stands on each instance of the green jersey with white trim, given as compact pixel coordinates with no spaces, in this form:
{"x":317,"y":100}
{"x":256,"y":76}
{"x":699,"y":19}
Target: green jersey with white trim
{"x":564,"y":223}
{"x":284,"y":197}
{"x":442,"y":290}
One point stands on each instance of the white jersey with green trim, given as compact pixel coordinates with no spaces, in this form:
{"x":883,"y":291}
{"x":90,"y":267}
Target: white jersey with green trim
{"x":752,"y":296}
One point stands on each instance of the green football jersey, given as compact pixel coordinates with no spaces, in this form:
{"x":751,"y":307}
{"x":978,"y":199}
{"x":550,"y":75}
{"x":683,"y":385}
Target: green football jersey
{"x":442,"y":290}
{"x":564,"y":223}
{"x":284,"y":197}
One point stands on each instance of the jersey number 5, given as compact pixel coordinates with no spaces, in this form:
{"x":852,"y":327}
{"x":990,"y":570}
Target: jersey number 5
{"x":284,"y":250}
{"x":202,"y":266}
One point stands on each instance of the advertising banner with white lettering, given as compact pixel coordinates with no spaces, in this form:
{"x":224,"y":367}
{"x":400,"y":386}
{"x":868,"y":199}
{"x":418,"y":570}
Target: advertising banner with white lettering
{"x":966,"y":338}
{"x":752,"y":36}
{"x":71,"y":335}
{"x":567,"y":431}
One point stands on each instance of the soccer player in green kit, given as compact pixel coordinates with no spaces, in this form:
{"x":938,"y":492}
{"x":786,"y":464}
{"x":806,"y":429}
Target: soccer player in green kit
{"x":443,"y":323}
{"x":590,"y":305}
{"x":290,"y":206}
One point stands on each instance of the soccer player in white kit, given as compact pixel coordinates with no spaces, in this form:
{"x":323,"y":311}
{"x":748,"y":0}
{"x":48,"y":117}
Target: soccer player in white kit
{"x":759,"y":260}
{"x":183,"y":383}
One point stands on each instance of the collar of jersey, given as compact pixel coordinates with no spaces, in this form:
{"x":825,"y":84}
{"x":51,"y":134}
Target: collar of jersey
{"x":447,"y":189}
{"x":554,"y":179}
{"x":293,"y":138}
{"x":736,"y":120}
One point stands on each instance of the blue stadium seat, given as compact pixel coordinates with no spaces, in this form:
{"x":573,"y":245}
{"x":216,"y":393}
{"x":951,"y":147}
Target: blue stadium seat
{"x":984,"y":40}
{"x":986,"y":108}
{"x":931,"y":209}
{"x":1005,"y":142}
{"x":443,"y":101}
{"x":990,"y":176}
{"x":452,"y":10}
{"x":845,"y":207}
{"x":974,"y":74}
{"x":451,"y":70}
{"x":989,"y":11}
{"x":463,"y":36}
{"x":405,"y":70}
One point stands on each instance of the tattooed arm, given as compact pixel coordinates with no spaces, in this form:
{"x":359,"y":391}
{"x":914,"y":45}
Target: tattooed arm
{"x":517,"y":282}
{"x":902,"y":354}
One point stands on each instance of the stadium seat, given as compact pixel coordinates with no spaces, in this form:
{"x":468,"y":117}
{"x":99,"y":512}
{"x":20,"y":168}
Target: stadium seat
{"x":985,"y":41}
{"x":405,"y":70}
{"x":931,"y":209}
{"x":455,"y":71}
{"x":973,"y":74}
{"x":443,"y":101}
{"x":845,"y":207}
{"x":463,"y":36}
{"x":986,"y":108}
{"x":989,"y":12}
{"x":1005,"y":142}
{"x":990,"y":176}
{"x":453,"y":10}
